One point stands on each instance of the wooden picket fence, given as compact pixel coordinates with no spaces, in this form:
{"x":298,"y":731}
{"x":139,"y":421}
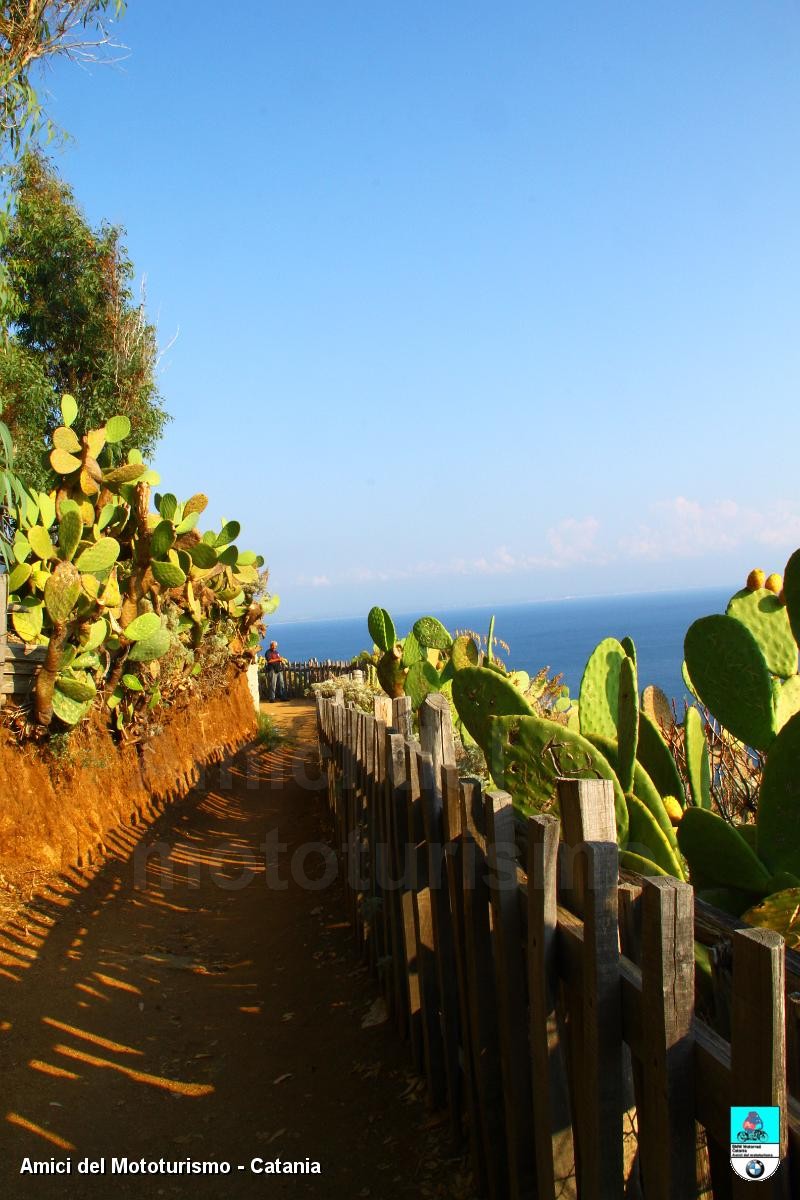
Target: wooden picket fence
{"x":299,"y":676}
{"x":549,"y":1004}
{"x":18,"y":662}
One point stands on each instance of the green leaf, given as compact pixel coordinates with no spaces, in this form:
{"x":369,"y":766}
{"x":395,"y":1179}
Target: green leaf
{"x":132,"y":683}
{"x":117,"y":429}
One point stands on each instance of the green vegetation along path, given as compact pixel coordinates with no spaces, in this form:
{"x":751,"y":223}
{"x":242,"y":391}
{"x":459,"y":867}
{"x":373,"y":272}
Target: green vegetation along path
{"x":175,"y":1006}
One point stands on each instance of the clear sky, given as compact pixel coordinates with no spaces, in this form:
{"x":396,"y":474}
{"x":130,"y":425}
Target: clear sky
{"x":475,"y":302}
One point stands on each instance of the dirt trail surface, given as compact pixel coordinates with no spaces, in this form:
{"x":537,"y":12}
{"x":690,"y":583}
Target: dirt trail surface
{"x":177,"y":1006}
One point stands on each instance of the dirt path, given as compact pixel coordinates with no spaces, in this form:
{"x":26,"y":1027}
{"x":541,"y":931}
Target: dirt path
{"x":178,"y":1007}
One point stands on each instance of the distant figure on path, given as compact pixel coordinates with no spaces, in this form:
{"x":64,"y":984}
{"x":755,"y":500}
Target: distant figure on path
{"x":276,"y":684}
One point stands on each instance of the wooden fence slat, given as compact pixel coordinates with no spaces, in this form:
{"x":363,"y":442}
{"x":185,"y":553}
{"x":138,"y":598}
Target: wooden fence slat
{"x":402,"y":716}
{"x":667,"y":1139}
{"x":3,"y":632}
{"x":510,"y":982}
{"x":552,"y":1120}
{"x":758,"y":1038}
{"x":482,"y":992}
{"x":408,"y":993}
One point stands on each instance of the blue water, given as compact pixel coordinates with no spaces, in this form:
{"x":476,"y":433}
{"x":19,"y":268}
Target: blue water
{"x":558,"y":634}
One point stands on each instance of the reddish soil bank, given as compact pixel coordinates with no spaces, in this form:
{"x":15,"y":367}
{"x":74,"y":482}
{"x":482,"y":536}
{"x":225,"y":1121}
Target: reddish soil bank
{"x":178,"y":1006}
{"x":61,"y":811}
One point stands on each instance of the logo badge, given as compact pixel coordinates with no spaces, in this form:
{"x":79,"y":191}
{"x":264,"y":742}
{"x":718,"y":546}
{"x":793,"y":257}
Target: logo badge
{"x":755,"y":1141}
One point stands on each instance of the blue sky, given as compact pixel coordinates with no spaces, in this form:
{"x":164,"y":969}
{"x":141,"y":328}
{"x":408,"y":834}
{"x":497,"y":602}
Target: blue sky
{"x":475,"y":303}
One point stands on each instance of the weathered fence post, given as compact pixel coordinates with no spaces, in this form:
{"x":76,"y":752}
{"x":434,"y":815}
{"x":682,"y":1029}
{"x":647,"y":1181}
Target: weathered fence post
{"x":408,"y":996}
{"x":510,"y":981}
{"x":758,"y":1037}
{"x":666,"y":1125}
{"x":591,"y":865}
{"x":552,"y":1119}
{"x":3,"y":633}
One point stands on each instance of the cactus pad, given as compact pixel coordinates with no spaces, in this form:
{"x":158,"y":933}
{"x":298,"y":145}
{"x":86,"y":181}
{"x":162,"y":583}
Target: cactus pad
{"x":657,"y":707}
{"x":527,"y":755}
{"x":78,"y":687}
{"x":143,"y":627}
{"x":168,"y":574}
{"x":731,"y":678}
{"x":480,"y":694}
{"x":153,"y":648}
{"x":70,"y":532}
{"x":61,"y":592}
{"x":628,"y":721}
{"x":643,"y":787}
{"x":28,"y":622}
{"x":391,"y":674}
{"x":412,"y":651}
{"x":117,"y":429}
{"x":598,"y":703}
{"x":698,"y":765}
{"x":768,"y":621}
{"x":432,"y":634}
{"x":162,"y":539}
{"x":718,"y":855}
{"x":464,"y":653}
{"x":780,"y":912}
{"x":70,"y":711}
{"x":421,"y":680}
{"x":647,"y":838}
{"x":778,"y":821}
{"x":787,"y":701}
{"x":127,"y":473}
{"x":642,"y":866}
{"x":654,"y":755}
{"x":99,"y":557}
{"x":40,"y":543}
{"x":381,"y":629}
{"x":791,"y":591}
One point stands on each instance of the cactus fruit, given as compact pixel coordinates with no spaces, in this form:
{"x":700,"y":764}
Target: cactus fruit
{"x":527,"y":755}
{"x":431,"y":634}
{"x":718,"y":855}
{"x":781,"y":912}
{"x":646,"y":837}
{"x":731,"y":677}
{"x":766,"y":618}
{"x":598,"y":702}
{"x":755,"y":580}
{"x":381,"y":628}
{"x":774,"y":583}
{"x":698,"y":765}
{"x":480,"y":694}
{"x":673,"y":809}
{"x":778,"y":836}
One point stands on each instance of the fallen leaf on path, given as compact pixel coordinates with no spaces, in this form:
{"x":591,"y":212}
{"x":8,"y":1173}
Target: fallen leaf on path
{"x":283,"y":1078}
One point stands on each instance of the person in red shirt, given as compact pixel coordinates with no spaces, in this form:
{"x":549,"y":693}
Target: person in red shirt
{"x":276,"y":684}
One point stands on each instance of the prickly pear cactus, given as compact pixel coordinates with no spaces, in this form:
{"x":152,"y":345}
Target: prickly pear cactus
{"x":391,"y":674}
{"x":598,"y":702}
{"x":381,"y":628}
{"x":627,"y":721}
{"x":654,"y":755}
{"x":647,"y":838}
{"x":698,"y":766}
{"x":718,"y":856}
{"x":731,"y":677}
{"x":480,"y":694}
{"x":767,"y":619}
{"x":422,"y":679}
{"x":464,"y":653}
{"x":778,"y":824}
{"x":528,"y":754}
{"x":431,"y":634}
{"x":657,"y":707}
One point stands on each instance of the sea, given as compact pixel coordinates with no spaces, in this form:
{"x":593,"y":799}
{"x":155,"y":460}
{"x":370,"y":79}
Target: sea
{"x":558,"y":634}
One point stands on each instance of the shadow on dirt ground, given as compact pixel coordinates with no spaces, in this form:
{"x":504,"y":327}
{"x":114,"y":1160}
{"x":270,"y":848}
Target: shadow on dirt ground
{"x":193,"y":1001}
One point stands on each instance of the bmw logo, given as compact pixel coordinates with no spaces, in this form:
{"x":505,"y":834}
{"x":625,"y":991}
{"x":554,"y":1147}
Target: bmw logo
{"x":755,"y":1168}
